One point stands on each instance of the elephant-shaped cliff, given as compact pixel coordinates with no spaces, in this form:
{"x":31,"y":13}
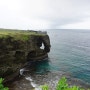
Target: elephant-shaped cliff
{"x":14,"y":53}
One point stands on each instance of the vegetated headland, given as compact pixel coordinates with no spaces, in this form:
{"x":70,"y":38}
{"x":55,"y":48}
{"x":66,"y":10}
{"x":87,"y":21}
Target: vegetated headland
{"x":17,"y":47}
{"x":20,"y":34}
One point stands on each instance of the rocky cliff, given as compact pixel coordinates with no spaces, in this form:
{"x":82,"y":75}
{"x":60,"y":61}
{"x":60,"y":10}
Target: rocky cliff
{"x":18,"y":48}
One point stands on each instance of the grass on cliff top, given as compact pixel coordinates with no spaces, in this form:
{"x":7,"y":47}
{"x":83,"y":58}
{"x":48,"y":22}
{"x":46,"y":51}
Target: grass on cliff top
{"x":18,"y":34}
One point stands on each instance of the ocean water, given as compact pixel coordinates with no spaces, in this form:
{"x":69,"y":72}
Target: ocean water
{"x":70,"y":52}
{"x":69,"y":57}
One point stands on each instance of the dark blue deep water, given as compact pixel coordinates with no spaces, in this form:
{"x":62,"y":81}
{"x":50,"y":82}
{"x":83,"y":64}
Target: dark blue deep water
{"x":70,"y":53}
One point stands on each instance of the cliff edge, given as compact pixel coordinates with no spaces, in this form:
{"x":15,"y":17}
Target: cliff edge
{"x":19,"y":46}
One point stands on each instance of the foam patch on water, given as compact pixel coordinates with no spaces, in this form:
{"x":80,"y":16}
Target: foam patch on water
{"x":29,"y":78}
{"x":33,"y":84}
{"x":22,"y":71}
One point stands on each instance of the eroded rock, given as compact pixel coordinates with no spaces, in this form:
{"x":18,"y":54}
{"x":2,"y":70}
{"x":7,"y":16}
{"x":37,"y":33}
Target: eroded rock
{"x":15,"y":53}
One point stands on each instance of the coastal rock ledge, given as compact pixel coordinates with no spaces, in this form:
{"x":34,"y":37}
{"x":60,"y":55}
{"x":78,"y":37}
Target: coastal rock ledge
{"x":17,"y":47}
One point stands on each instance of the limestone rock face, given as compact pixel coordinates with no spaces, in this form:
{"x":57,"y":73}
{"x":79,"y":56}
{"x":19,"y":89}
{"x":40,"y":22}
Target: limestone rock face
{"x":15,"y":53}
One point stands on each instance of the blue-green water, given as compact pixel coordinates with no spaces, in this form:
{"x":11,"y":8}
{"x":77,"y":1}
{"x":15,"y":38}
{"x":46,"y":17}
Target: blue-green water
{"x":69,"y":57}
{"x":70,"y":53}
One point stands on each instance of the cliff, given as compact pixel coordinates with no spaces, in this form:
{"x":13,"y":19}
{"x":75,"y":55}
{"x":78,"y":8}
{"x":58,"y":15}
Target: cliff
{"x":18,"y":47}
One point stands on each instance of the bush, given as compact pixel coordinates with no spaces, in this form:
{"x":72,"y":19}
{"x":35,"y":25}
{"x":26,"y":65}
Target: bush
{"x":45,"y":87}
{"x":2,"y":86}
{"x":62,"y":85}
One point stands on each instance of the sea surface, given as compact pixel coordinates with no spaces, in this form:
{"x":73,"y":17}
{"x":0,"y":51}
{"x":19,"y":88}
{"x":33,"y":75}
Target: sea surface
{"x":70,"y":52}
{"x":69,"y":57}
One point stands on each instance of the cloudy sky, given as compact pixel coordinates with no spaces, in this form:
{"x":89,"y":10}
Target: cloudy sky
{"x":45,"y":14}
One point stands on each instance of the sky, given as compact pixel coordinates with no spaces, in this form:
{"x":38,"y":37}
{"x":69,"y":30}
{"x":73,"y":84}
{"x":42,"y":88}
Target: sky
{"x":45,"y":14}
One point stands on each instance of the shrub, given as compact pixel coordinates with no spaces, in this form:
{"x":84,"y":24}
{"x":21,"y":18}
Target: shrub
{"x":2,"y":86}
{"x":45,"y":87}
{"x":62,"y":85}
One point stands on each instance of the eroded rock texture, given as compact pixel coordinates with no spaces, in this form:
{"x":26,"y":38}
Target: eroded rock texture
{"x":15,"y":53}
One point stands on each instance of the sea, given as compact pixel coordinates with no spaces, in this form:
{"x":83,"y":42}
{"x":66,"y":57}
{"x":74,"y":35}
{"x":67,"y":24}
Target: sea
{"x":69,"y":57}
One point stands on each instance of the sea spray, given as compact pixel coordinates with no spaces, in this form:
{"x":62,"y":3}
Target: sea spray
{"x":34,"y":85}
{"x":29,"y":78}
{"x":22,"y":71}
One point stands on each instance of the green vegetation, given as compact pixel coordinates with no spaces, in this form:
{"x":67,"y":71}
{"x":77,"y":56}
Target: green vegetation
{"x":2,"y":86}
{"x":62,"y":85}
{"x":45,"y":87}
{"x":18,"y":34}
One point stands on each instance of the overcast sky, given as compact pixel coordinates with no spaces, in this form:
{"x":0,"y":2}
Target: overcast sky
{"x":45,"y":14}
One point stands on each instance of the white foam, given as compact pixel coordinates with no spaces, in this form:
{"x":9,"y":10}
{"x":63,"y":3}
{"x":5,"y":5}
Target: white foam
{"x":29,"y":79}
{"x":33,"y":84}
{"x":21,"y":71}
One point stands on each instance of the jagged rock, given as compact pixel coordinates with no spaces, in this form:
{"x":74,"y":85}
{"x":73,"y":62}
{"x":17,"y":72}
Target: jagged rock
{"x":14,"y":53}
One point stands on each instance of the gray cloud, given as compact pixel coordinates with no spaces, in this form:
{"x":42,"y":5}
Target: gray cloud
{"x":34,"y":14}
{"x":70,"y":11}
